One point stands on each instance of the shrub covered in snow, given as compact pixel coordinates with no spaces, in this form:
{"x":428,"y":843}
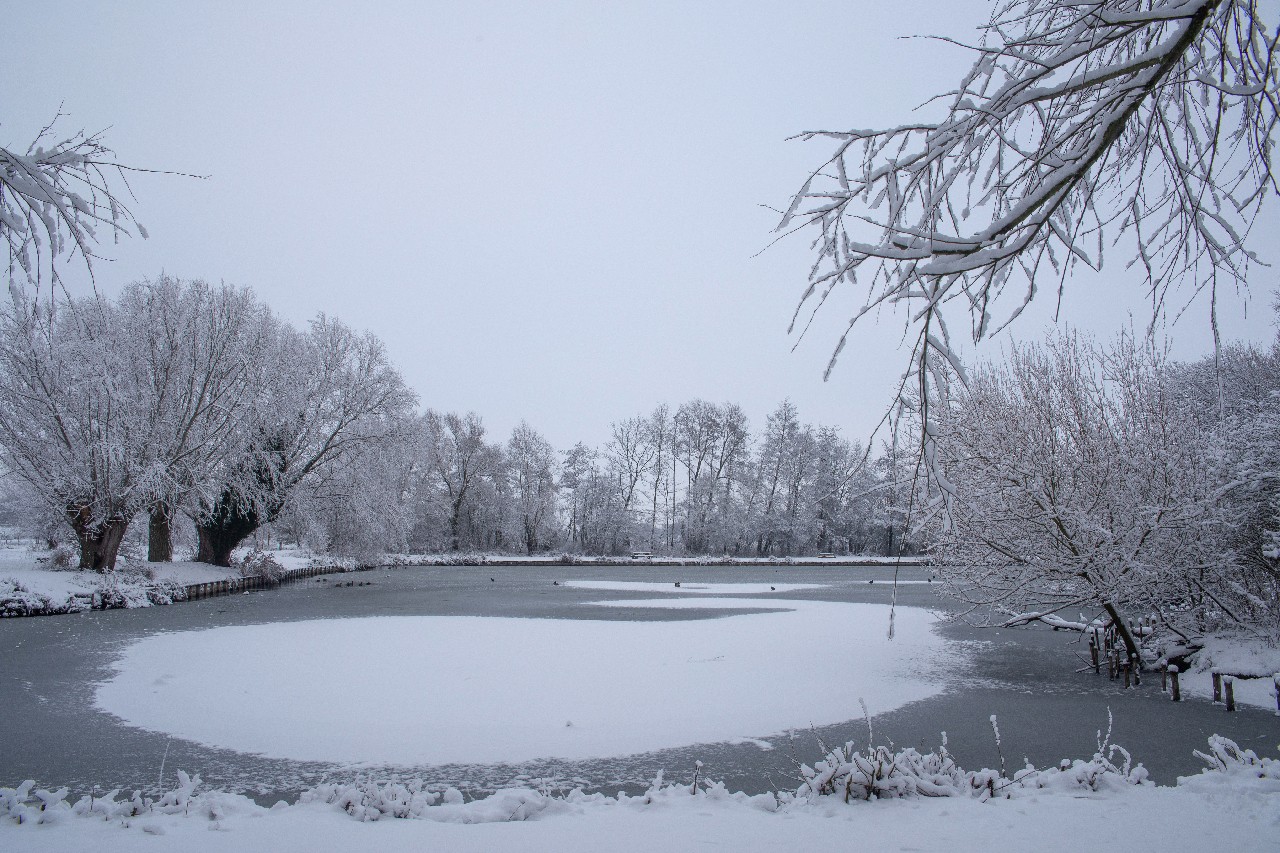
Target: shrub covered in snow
{"x":880,"y":773}
{"x":1239,"y":768}
{"x":260,"y":564}
{"x":126,"y":589}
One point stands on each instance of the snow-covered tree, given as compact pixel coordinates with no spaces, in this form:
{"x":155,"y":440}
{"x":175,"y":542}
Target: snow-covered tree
{"x":1241,"y":388}
{"x":845,"y":493}
{"x":660,"y":434}
{"x":331,"y":393}
{"x":71,"y":422}
{"x":363,"y":504}
{"x":596,"y":521}
{"x":458,"y":457}
{"x":786,"y":513}
{"x":1084,"y":482}
{"x":197,"y":364}
{"x":712,"y":443}
{"x":1142,"y":128}
{"x":531,"y":463}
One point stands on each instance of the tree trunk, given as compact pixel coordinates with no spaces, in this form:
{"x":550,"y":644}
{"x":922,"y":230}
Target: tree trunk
{"x":455,"y":524}
{"x":99,"y":542}
{"x":223,"y":529}
{"x":530,"y":536}
{"x":218,"y":541}
{"x":1126,"y":636}
{"x":160,"y":534}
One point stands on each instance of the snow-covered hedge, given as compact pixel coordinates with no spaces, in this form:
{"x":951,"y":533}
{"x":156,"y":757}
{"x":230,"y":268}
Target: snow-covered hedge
{"x":17,"y":600}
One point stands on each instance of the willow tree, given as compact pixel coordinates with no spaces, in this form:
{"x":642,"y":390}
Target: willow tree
{"x":330,"y":393}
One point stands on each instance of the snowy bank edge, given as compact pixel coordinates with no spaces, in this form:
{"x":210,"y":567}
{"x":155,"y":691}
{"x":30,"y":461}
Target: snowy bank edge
{"x":845,"y":776}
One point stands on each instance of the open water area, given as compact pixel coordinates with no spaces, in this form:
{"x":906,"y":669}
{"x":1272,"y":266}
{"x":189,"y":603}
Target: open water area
{"x":50,"y":730}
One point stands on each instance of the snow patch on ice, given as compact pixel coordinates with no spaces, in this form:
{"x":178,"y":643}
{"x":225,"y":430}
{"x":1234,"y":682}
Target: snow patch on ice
{"x":414,"y":690}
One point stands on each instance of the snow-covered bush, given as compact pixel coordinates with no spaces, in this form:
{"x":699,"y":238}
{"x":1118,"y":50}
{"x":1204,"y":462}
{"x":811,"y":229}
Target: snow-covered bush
{"x":880,"y":773}
{"x":63,"y":558}
{"x":1229,"y":767}
{"x":130,"y":588}
{"x":260,"y":564}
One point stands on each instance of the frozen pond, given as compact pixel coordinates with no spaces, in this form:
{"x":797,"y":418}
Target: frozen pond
{"x":431,"y":690}
{"x":740,"y":664}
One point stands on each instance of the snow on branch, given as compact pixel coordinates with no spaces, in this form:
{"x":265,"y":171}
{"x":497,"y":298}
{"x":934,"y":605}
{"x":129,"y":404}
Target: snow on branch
{"x":61,"y":197}
{"x":1081,"y":126}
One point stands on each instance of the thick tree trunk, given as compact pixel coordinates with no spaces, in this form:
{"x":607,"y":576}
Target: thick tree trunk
{"x":223,"y":529}
{"x":99,"y":542}
{"x":160,"y":534}
{"x":218,"y":541}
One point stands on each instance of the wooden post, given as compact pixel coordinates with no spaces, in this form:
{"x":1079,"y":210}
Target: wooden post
{"x":1137,"y":670}
{"x":1177,"y":693}
{"x":1093,"y":653}
{"x":1126,"y":667}
{"x":1164,"y":676}
{"x":1217,"y":687}
{"x":1230,"y":684}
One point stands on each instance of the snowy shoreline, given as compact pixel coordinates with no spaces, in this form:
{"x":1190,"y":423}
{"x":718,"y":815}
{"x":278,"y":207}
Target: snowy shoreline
{"x":903,"y":798}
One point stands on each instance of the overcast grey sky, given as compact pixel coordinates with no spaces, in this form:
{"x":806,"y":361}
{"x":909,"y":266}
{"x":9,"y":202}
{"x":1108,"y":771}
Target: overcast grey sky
{"x":549,"y":211}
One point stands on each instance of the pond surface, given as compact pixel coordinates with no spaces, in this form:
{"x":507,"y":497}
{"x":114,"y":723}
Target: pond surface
{"x":50,"y":666}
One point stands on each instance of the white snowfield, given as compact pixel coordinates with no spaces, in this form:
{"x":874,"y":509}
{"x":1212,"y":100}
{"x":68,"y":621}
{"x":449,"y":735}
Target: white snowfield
{"x":442,"y":689}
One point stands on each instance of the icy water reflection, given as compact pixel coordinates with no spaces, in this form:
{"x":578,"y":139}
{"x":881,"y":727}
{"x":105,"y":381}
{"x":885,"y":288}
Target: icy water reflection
{"x":49,"y":667}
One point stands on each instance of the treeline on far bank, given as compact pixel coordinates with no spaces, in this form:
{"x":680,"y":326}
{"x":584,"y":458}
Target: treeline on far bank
{"x":187,"y":418}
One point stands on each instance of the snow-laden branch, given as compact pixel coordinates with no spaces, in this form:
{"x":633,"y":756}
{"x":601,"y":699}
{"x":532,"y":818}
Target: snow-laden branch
{"x":61,"y":198}
{"x":1145,"y":125}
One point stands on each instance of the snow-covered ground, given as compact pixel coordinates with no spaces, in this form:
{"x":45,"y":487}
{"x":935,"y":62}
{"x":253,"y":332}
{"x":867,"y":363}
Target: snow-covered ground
{"x":440,"y":689}
{"x":35,"y":573}
{"x":1243,"y":658}
{"x":1213,"y":811}
{"x":61,"y":585}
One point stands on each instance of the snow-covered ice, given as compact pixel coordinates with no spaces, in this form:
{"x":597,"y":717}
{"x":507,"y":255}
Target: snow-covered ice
{"x":418,"y":690}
